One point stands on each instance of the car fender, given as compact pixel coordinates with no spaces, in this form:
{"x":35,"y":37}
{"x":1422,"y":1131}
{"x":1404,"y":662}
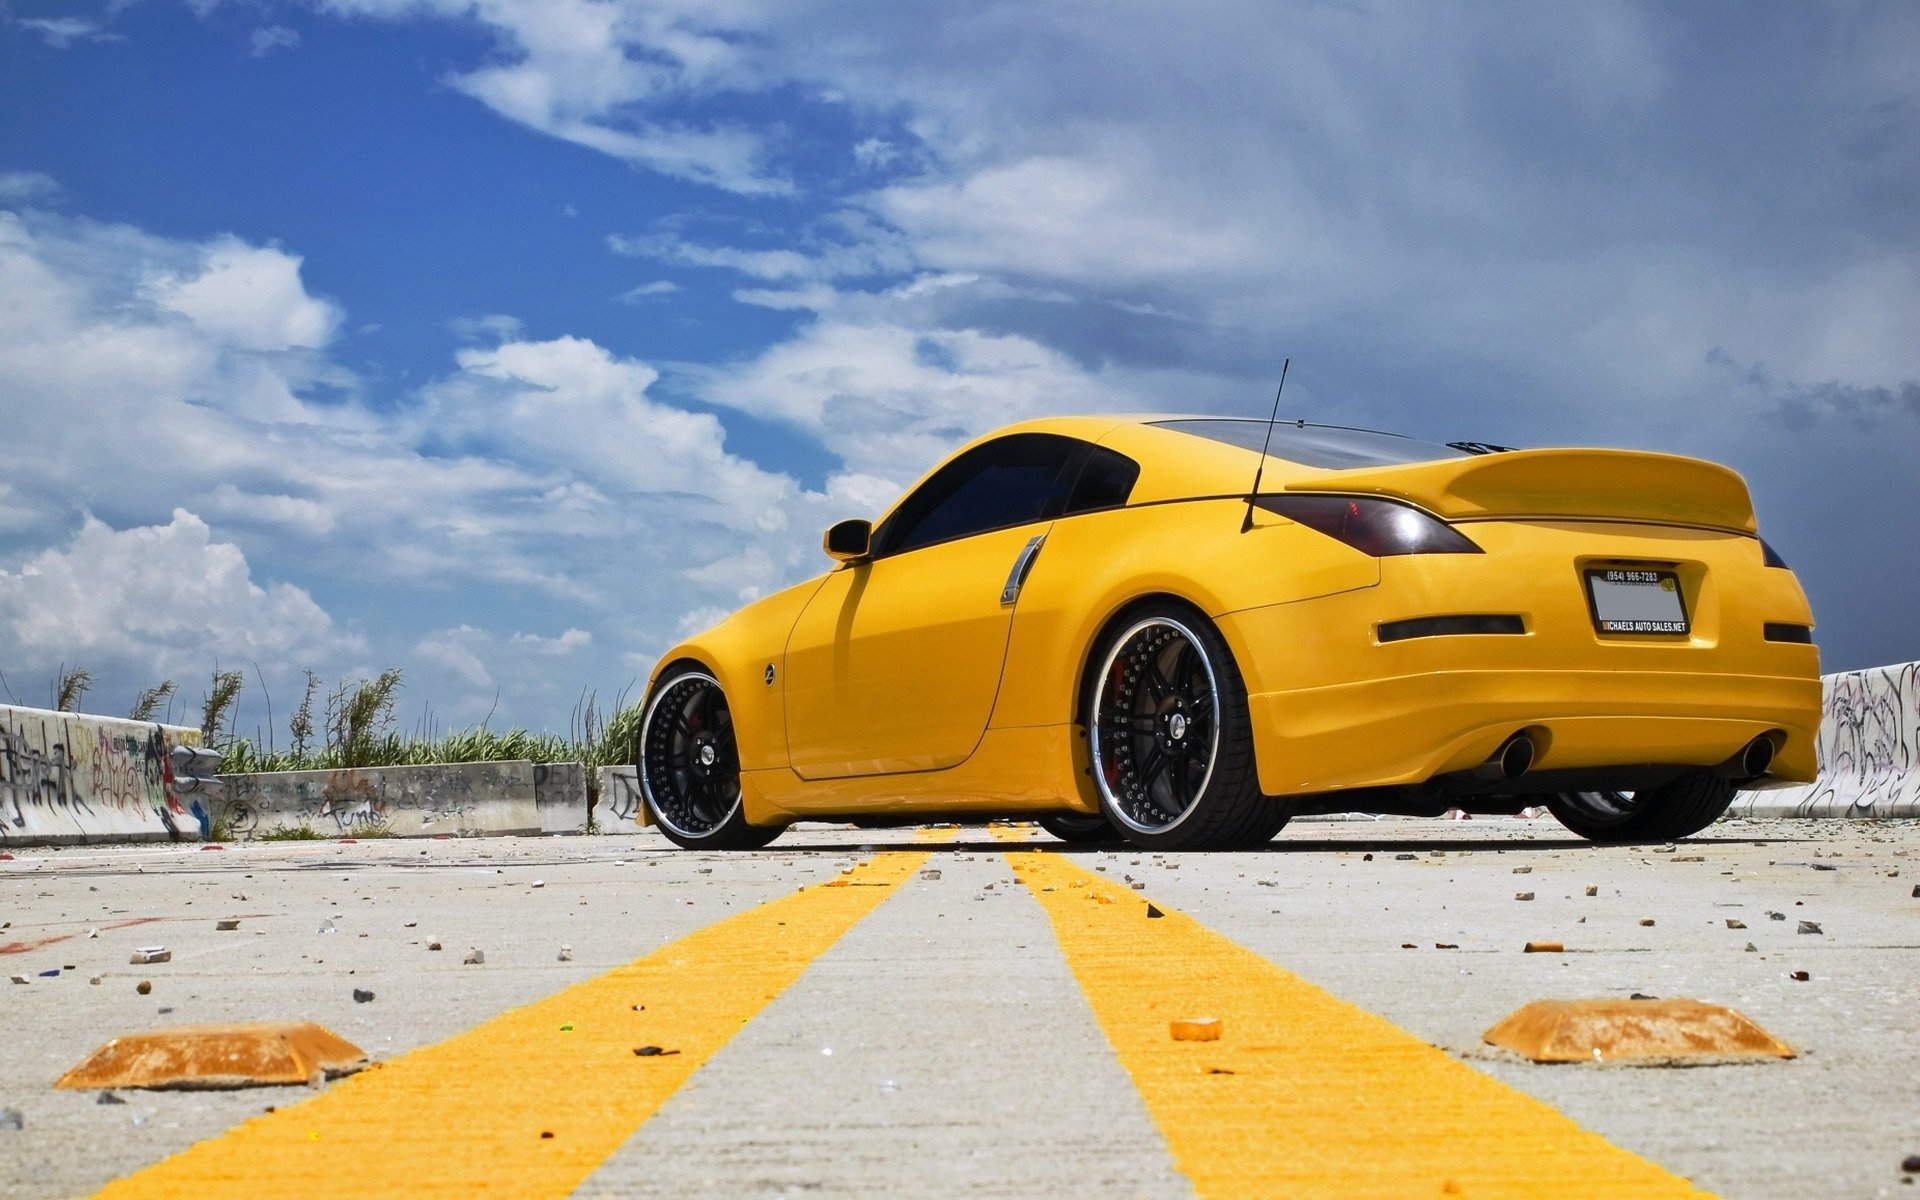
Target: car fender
{"x":746,"y":653}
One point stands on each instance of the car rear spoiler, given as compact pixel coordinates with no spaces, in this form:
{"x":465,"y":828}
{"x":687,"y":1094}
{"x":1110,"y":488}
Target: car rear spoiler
{"x":1619,"y":485}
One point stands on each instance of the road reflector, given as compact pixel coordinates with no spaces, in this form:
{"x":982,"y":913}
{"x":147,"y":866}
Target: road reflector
{"x":218,"y":1056}
{"x":1633,"y":1031}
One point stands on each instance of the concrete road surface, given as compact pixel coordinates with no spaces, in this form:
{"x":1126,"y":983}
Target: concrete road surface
{"x":972,"y":1012}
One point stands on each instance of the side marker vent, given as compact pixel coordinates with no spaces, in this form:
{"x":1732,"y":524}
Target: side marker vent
{"x":1423,"y":627}
{"x":1777,"y":632}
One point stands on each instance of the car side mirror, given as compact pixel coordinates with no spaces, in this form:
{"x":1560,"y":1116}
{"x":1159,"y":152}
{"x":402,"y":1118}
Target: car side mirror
{"x":849,"y":541}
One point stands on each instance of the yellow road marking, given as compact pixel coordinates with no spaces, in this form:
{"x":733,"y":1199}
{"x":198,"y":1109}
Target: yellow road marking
{"x":1305,"y":1095}
{"x":470,"y":1115}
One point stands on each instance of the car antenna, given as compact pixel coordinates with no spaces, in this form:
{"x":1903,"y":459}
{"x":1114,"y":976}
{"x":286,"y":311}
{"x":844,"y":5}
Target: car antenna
{"x":1264,"y":443}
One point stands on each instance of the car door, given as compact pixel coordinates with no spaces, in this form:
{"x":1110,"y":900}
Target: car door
{"x":894,"y":663}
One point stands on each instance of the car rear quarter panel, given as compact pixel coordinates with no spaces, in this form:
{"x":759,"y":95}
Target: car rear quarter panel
{"x":1095,"y":564}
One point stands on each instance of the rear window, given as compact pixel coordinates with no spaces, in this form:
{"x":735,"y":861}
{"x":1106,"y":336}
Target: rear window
{"x":1330,"y":447}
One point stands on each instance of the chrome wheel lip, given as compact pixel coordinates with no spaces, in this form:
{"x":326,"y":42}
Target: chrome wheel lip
{"x":1108,"y":800}
{"x":646,"y":783}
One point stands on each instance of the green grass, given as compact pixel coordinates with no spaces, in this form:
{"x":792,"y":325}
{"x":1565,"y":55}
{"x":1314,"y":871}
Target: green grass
{"x":294,"y":833}
{"x":597,"y":745}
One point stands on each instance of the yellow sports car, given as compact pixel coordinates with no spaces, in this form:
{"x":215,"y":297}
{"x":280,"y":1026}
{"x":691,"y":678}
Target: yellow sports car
{"x":1106,"y":623}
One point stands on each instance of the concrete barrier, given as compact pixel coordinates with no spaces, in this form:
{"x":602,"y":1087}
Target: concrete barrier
{"x":70,"y":777}
{"x":458,"y":799}
{"x":1869,"y":751}
{"x":617,"y":807}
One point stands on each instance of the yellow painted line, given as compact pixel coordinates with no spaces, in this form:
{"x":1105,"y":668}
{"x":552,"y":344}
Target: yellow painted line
{"x":470,"y":1116}
{"x":1305,"y":1095}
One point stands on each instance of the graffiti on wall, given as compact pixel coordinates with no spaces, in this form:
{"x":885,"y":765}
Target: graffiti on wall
{"x":69,"y":775}
{"x":1869,"y":749}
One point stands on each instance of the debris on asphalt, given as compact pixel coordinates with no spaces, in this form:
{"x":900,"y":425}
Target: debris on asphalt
{"x":1735,"y":923}
{"x":539,"y":883}
{"x":144,"y":987}
{"x":652,"y":1052}
{"x":931,"y":873}
{"x":1369,"y":858}
{"x":217,"y":1056}
{"x":11,"y":1118}
{"x":1752,"y":949}
{"x":1405,"y":857}
{"x":1689,"y":858}
{"x":1644,"y":1030}
{"x":1408,"y":946}
{"x":1646,"y":920}
{"x":1153,"y":912}
{"x":1642,"y":996}
{"x":1523,"y":870}
{"x":1808,"y":927}
{"x":53,"y":973}
{"x":93,"y":933}
{"x":20,"y":979}
{"x":1911,"y":1164}
{"x":106,"y":1097}
{"x":1446,"y":945}
{"x":1523,"y":895}
{"x":1916,"y":891}
{"x":566,"y":954}
{"x":1776,"y":916}
{"x":1195,"y":1029}
{"x":151,"y":954}
{"x":433,"y":943}
{"x":1799,"y":976}
{"x":474,"y":958}
{"x":1544,"y":948}
{"x":362,"y":996}
{"x":1593,"y":890}
{"x":96,"y":980}
{"x":227,"y":924}
{"x":1137,"y":886}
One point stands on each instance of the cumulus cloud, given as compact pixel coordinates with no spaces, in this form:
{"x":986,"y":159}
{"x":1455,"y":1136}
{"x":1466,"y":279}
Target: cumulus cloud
{"x":166,"y":599}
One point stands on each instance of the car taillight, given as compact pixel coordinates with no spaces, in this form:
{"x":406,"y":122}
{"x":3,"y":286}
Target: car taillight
{"x":1382,"y":528}
{"x":1770,"y":556}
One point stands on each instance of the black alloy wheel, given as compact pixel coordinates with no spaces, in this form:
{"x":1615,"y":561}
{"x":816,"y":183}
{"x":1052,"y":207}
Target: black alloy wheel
{"x":1667,"y":813}
{"x":1171,"y":744}
{"x":690,"y":766}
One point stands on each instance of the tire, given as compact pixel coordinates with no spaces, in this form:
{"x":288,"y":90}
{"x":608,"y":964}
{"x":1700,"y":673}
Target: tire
{"x":1079,"y":829}
{"x":690,"y":766}
{"x":1667,"y":813}
{"x":1170,"y":741}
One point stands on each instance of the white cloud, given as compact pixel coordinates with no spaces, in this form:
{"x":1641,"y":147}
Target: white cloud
{"x":166,"y":598}
{"x":63,"y":32}
{"x":659,"y":287}
{"x":564,"y":644}
{"x":247,"y":297}
{"x":269,"y":38}
{"x":17,"y":187}
{"x":588,"y":71}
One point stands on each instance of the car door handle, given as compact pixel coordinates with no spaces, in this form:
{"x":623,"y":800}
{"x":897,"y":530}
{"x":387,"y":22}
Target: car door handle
{"x":1021,"y":565}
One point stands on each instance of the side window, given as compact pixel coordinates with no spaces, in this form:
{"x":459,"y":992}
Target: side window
{"x":1012,"y":480}
{"x":1105,"y":481}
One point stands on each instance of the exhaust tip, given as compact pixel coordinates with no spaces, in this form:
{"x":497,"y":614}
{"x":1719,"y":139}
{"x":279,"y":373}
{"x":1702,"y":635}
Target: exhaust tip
{"x":1514,"y":758}
{"x":1757,"y":757}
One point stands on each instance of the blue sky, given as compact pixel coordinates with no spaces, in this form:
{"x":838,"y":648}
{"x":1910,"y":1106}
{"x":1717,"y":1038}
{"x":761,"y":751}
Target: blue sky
{"x":504,"y":340}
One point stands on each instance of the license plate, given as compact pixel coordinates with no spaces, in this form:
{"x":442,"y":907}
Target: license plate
{"x":1627,"y":601}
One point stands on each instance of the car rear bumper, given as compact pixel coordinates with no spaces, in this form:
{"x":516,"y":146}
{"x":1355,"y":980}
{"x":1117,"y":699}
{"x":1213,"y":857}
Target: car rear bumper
{"x":1409,"y":729}
{"x":1338,"y":703}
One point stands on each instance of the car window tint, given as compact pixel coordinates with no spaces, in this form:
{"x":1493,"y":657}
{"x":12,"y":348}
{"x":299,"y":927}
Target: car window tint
{"x":1106,"y":480}
{"x":1009,"y":481}
{"x":1328,"y":446}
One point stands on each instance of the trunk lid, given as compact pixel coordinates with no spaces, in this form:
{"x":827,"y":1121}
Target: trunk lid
{"x":1617,"y":485}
